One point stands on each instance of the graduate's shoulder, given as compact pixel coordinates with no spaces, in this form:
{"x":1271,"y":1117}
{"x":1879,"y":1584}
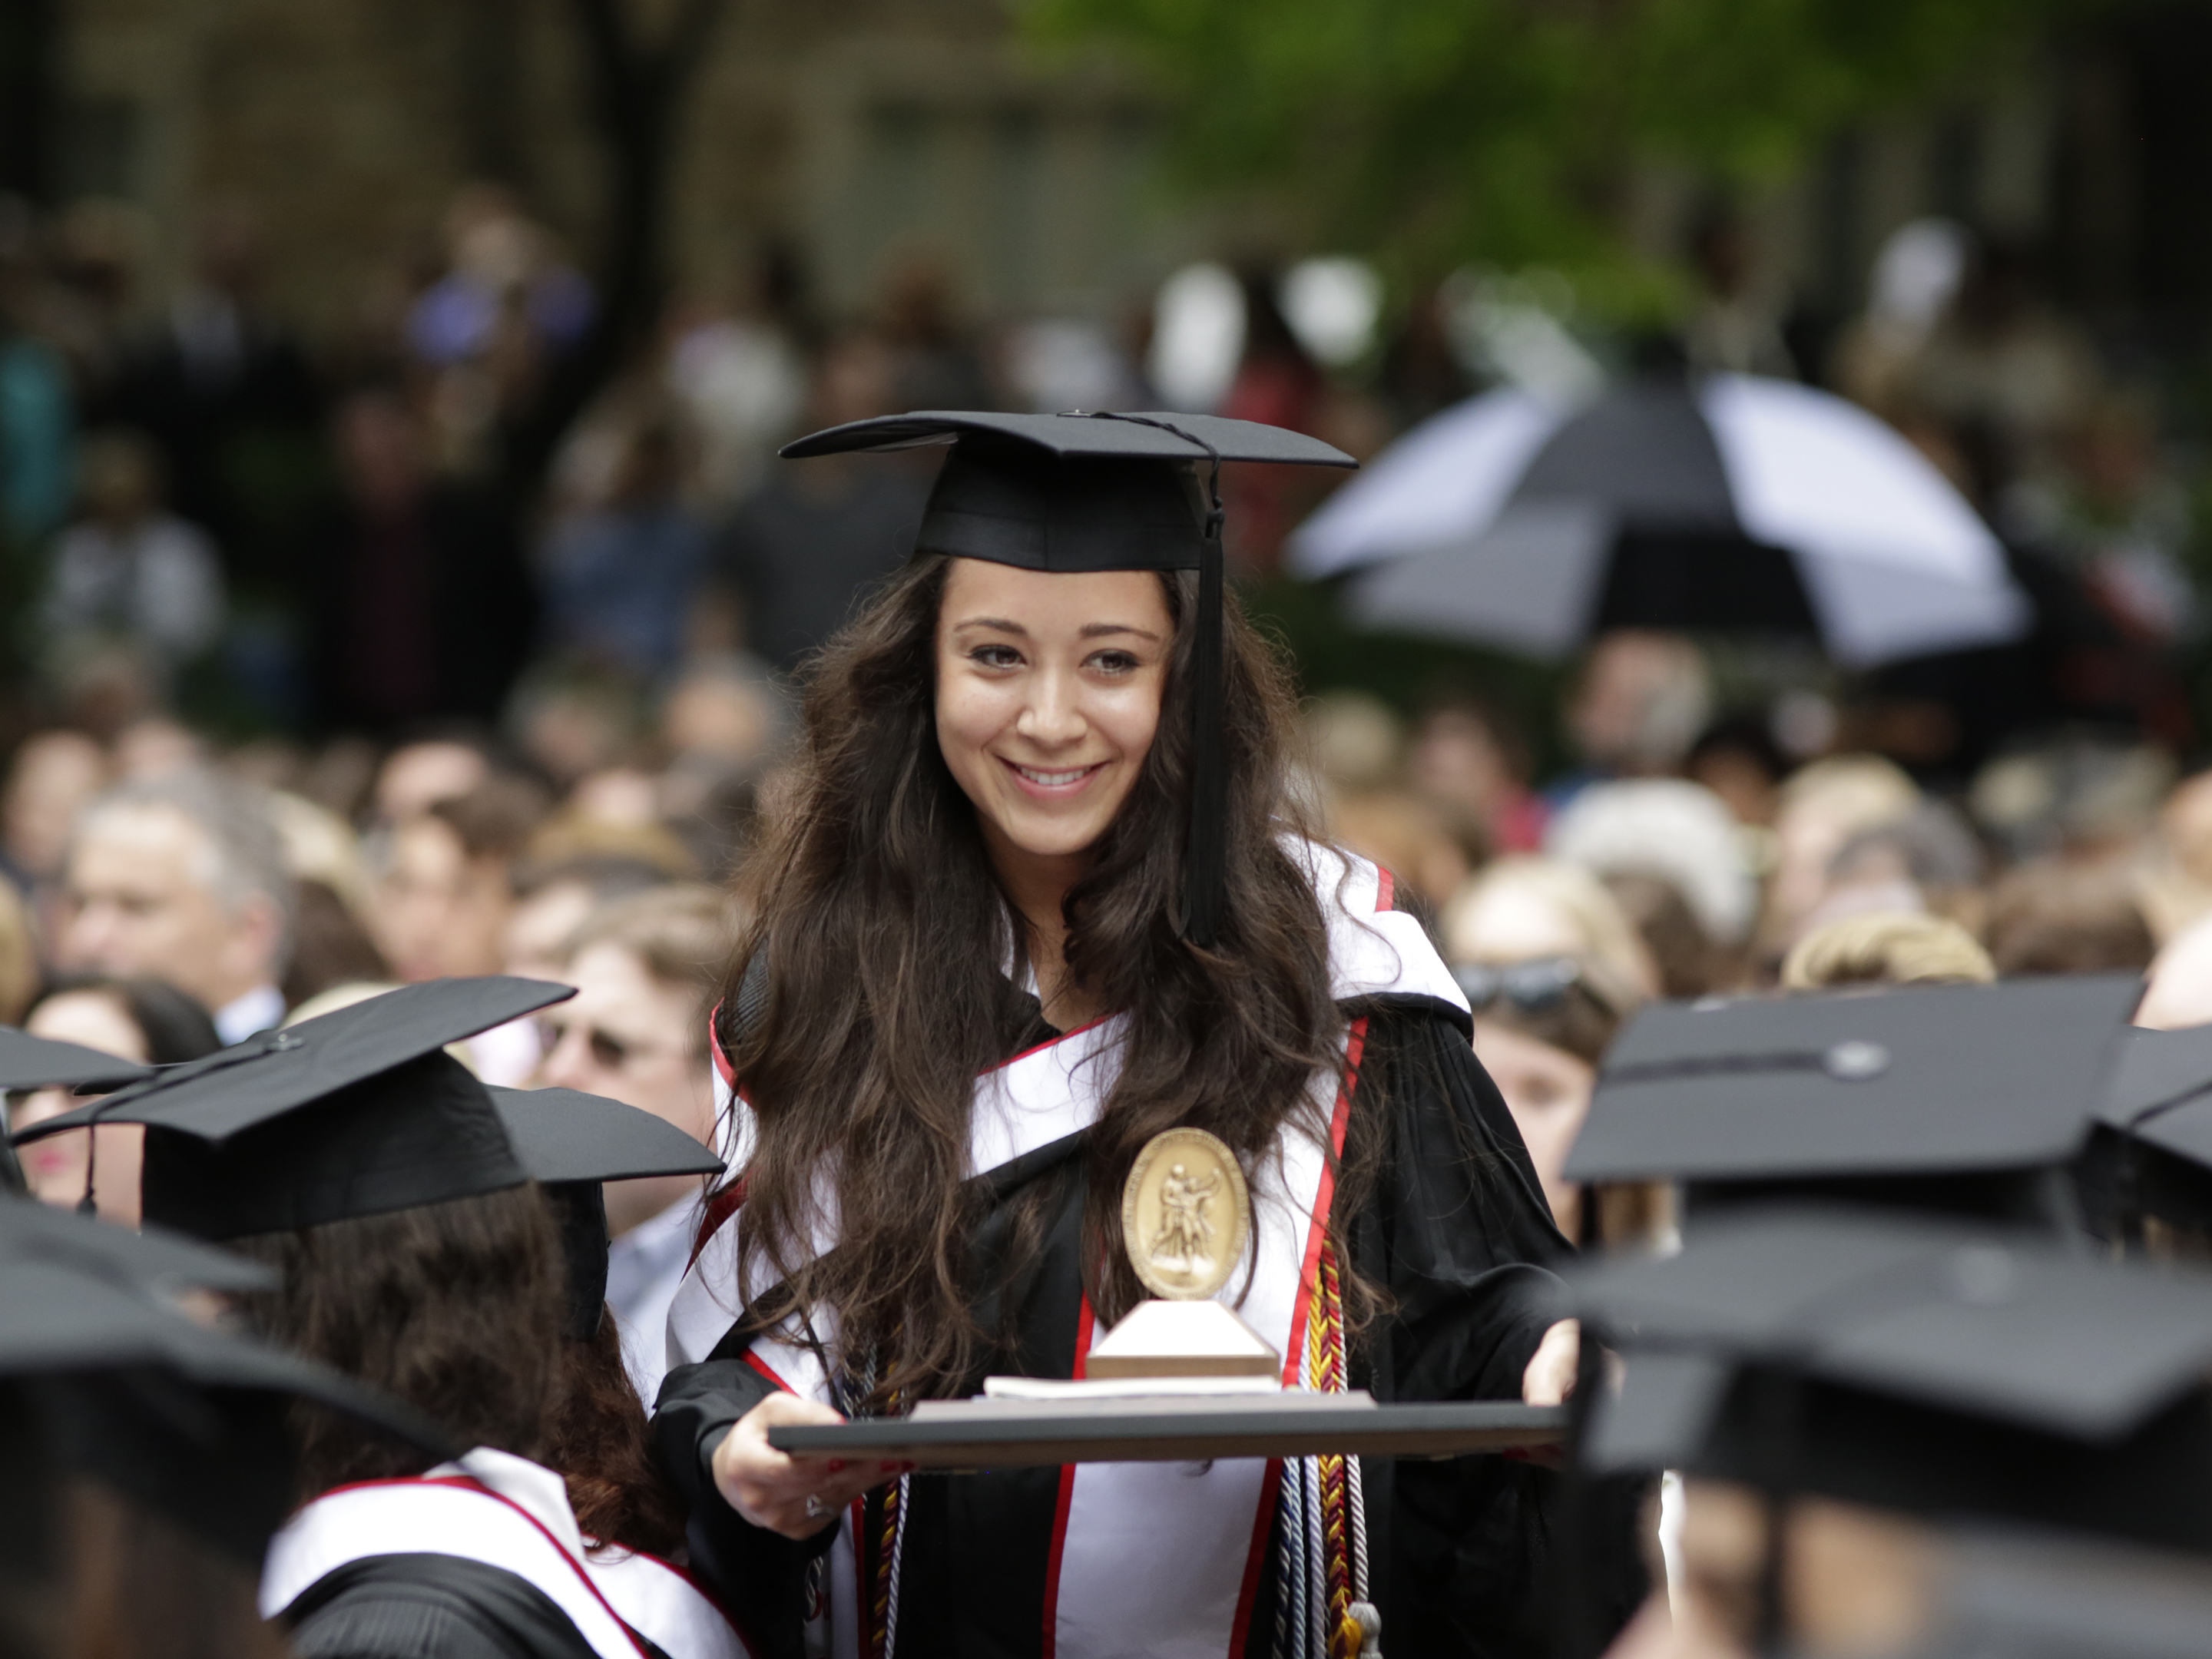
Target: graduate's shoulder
{"x":1380,"y":951}
{"x":429,"y":1606}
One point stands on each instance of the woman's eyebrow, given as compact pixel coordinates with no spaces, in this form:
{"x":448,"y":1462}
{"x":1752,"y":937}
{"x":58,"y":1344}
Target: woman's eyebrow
{"x":998,"y":624}
{"x":1094,"y":630}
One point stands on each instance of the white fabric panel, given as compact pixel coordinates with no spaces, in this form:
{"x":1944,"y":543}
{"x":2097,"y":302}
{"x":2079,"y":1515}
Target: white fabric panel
{"x":1861,"y":509}
{"x":1528,"y":585}
{"x":429,"y":1517}
{"x":663,"y":1606}
{"x":1445,"y":481}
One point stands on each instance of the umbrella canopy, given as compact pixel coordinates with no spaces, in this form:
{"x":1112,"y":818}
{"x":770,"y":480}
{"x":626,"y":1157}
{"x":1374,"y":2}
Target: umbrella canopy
{"x":1726,"y":502}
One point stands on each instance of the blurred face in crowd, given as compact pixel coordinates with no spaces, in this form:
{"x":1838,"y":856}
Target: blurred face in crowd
{"x":56,"y":1167}
{"x":140,"y":899}
{"x":1048,"y":690}
{"x":633,"y":1039}
{"x":1856,"y":1581}
{"x":55,"y":774}
{"x":416,"y":778}
{"x":1457,"y":759}
{"x":380,"y":453}
{"x":539,"y":926}
{"x":1547,"y":1090}
{"x":439,"y":913}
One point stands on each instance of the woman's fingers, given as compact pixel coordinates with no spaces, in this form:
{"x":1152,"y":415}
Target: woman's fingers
{"x":796,"y":1496}
{"x":1549,"y":1377}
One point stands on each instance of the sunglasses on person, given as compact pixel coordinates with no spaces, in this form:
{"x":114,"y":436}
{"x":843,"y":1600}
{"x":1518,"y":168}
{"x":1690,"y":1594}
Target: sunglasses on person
{"x":1534,"y":988}
{"x":609,"y":1052}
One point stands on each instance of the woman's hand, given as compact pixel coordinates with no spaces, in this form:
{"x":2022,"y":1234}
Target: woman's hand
{"x":1549,"y":1377}
{"x":797,"y":1496}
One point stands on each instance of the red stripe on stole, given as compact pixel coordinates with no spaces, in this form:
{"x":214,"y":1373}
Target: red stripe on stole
{"x":1083,"y":1327}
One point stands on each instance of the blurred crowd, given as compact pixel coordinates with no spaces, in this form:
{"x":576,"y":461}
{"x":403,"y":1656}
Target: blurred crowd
{"x":1689,"y":852}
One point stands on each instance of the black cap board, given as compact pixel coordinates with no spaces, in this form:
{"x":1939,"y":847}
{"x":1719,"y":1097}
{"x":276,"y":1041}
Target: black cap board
{"x":1915,"y":1364}
{"x":187,"y":1420}
{"x":2150,"y":1153}
{"x":36,"y":1063}
{"x":570,"y":1142}
{"x":152,"y":1258}
{"x":1099,"y":491}
{"x":1934,"y":1084}
{"x":356,"y":1113}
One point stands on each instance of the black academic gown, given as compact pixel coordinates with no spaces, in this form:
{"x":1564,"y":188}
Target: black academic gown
{"x":1467,"y":1554}
{"x":429,"y":1606}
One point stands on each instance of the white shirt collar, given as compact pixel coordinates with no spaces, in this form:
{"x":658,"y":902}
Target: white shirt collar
{"x":261,"y":1009}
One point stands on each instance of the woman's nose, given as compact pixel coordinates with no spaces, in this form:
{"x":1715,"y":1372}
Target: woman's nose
{"x":1053,"y":715}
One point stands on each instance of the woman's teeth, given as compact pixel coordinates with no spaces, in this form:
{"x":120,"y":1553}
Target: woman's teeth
{"x":1052,"y":780}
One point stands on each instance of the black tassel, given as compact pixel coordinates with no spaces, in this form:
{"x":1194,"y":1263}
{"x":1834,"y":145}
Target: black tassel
{"x":1205,"y":865}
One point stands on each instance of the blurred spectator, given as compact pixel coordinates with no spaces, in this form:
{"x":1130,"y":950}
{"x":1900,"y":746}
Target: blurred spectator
{"x":419,"y":606}
{"x":1468,"y":761}
{"x":636,"y":1031}
{"x":1736,"y":327}
{"x":1640,"y":701}
{"x":130,"y":573}
{"x":2176,"y":885}
{"x":1928,"y":860}
{"x":618,"y":579}
{"x":329,"y":946}
{"x":53,"y":776}
{"x":801,"y":548}
{"x":1737,"y":758}
{"x":1690,"y":962}
{"x":37,"y":418}
{"x":2057,"y":917}
{"x":2005,"y":371}
{"x":1668,"y":828}
{"x":1893,"y":948}
{"x":1915,"y":278}
{"x":1278,"y":384}
{"x":446,"y":892}
{"x":741,"y":384}
{"x":2087,"y":794}
{"x":1526,"y":910}
{"x":139,"y":1019}
{"x":225,"y":390}
{"x":1357,"y":740}
{"x":19,"y":956}
{"x":933,"y":365}
{"x":182,"y":878}
{"x":154,"y":746}
{"x":1823,"y":806}
{"x":1408,"y":836}
{"x":418,"y":774}
{"x":2178,"y":991}
{"x":500,"y":272}
{"x":552,"y":900}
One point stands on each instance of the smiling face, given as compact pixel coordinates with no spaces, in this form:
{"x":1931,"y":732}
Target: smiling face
{"x":1048,"y":690}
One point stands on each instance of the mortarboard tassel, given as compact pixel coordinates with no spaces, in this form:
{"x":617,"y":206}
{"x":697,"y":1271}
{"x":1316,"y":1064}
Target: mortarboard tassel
{"x":1205,"y":862}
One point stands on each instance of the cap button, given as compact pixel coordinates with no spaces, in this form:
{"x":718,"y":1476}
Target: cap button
{"x":1855,"y":1061}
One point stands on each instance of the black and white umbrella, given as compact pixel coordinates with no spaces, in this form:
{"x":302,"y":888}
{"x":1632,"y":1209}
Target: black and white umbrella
{"x":1728,"y":502}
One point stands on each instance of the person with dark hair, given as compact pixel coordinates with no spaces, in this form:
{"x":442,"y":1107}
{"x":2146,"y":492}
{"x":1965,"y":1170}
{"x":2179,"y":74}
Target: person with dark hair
{"x":143,"y":1020}
{"x":1043,"y":833}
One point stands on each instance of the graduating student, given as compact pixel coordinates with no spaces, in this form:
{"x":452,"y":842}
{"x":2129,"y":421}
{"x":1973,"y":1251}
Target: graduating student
{"x":400,"y":1199}
{"x":1041,"y":890}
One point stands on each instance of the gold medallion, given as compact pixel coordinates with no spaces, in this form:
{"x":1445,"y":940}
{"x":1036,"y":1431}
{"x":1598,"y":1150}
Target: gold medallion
{"x":1186,"y":1215}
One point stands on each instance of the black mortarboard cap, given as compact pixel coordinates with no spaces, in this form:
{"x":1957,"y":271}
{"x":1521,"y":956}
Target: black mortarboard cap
{"x":36,"y":1063}
{"x":1083,"y":492}
{"x":187,"y":1420}
{"x":1917,"y":1364}
{"x":2150,"y":1151}
{"x":570,"y":1142}
{"x":2019,"y":1595}
{"x":356,"y":1113}
{"x":1960,"y":1097}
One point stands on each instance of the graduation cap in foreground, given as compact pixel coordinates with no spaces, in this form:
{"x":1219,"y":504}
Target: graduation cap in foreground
{"x":2150,"y":1151}
{"x":121,"y":1386}
{"x":570,"y":1142}
{"x":1921,"y":1364}
{"x":357,"y":1113}
{"x":1096,"y":491}
{"x":1970,"y":1098}
{"x":35,"y":1062}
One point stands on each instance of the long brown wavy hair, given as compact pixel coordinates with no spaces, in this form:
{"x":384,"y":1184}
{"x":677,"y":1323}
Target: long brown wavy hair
{"x":873,"y":990}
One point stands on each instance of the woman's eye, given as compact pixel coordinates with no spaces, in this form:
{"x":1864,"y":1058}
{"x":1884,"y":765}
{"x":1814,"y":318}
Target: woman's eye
{"x":995,"y":656}
{"x":1114,"y":662}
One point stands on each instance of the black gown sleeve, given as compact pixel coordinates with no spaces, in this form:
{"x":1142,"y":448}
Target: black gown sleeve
{"x":760,"y":1575}
{"x":429,"y":1606}
{"x":1456,"y":1231}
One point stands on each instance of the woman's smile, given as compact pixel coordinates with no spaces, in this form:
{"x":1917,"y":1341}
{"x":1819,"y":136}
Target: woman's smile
{"x":1057,"y":784}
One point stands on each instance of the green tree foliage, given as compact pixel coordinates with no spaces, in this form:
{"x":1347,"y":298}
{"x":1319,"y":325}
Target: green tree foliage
{"x":1434,"y":131}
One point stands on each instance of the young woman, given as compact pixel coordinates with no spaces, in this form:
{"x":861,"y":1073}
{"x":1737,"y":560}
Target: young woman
{"x":1038,"y":891}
